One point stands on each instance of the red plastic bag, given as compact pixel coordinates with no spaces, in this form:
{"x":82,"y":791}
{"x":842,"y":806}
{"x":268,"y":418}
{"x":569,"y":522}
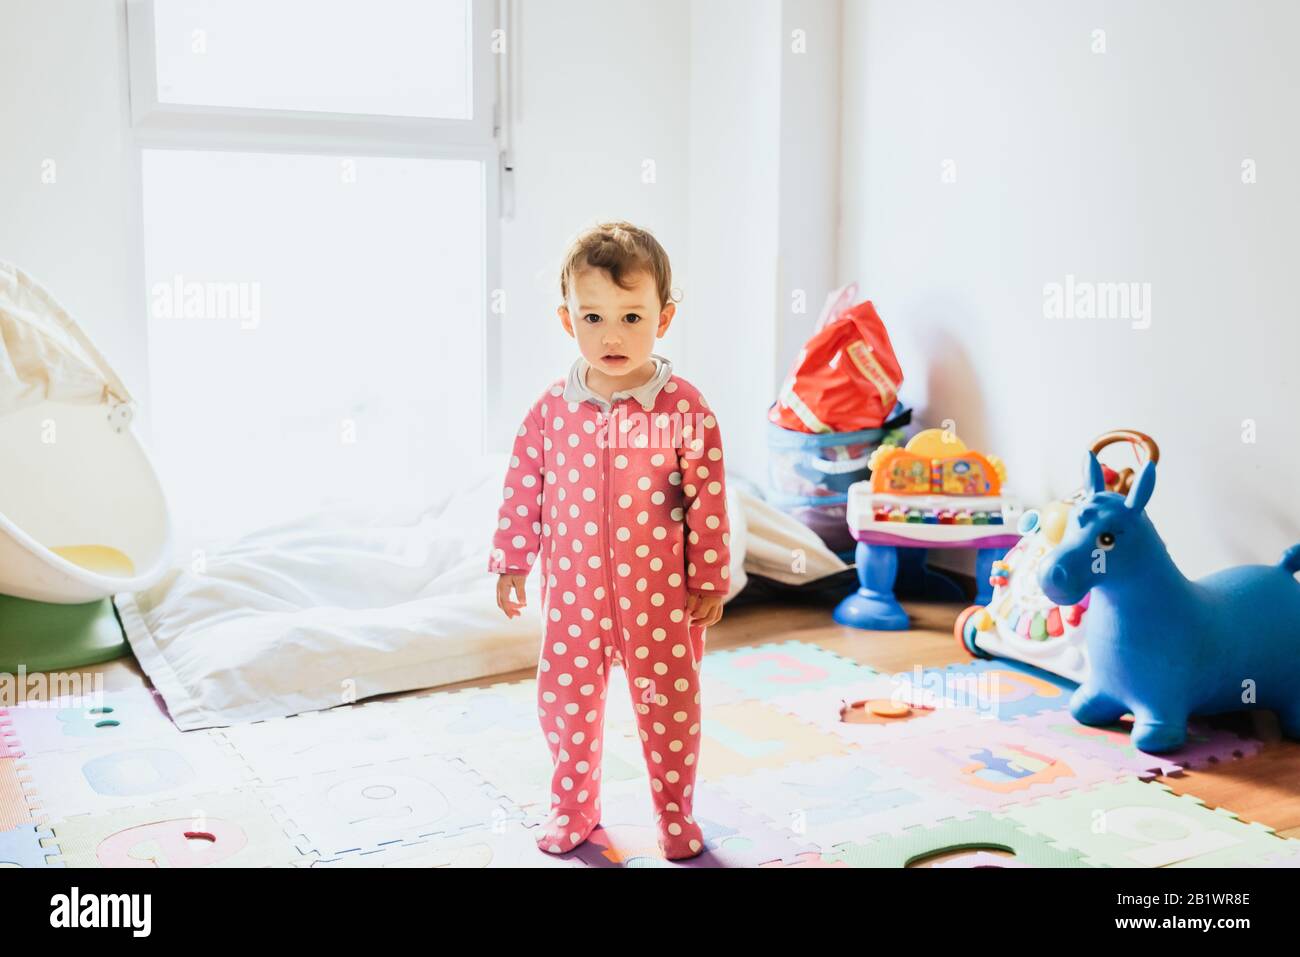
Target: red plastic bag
{"x":847,"y":377}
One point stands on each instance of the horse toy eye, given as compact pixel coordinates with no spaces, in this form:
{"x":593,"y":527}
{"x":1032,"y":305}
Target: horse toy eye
{"x":1106,"y":541}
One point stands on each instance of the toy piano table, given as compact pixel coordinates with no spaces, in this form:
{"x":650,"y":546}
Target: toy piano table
{"x":934,"y":493}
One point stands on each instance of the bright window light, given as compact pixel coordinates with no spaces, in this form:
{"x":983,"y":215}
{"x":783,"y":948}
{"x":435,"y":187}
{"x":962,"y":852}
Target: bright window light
{"x":381,"y":57}
{"x":315,"y":331}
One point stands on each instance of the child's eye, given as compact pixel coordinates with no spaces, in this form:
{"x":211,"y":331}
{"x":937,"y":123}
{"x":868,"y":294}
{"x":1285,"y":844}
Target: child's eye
{"x":591,"y":317}
{"x":631,"y":317}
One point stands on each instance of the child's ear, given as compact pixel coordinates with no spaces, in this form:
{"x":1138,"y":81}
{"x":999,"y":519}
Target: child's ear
{"x":666,"y":319}
{"x":563,"y":313}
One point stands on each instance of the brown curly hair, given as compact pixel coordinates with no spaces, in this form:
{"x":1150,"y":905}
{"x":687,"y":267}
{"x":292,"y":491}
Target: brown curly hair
{"x":622,"y":250}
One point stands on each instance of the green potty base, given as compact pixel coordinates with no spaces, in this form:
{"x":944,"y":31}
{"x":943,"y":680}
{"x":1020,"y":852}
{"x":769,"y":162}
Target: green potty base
{"x":44,"y":637}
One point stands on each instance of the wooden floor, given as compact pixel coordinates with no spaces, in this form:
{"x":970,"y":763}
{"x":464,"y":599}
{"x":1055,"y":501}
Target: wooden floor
{"x":1264,"y":788}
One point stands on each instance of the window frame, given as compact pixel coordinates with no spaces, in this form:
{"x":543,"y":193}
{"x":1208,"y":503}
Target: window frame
{"x":483,"y":137}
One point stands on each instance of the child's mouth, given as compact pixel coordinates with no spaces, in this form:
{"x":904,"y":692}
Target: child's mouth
{"x":614,"y":360}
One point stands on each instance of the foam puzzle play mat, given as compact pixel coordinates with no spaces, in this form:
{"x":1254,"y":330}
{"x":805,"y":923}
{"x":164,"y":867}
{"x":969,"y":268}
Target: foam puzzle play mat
{"x":808,"y":760}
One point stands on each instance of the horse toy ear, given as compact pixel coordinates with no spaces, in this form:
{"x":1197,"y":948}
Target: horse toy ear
{"x":1094,"y":480}
{"x":1140,"y":493}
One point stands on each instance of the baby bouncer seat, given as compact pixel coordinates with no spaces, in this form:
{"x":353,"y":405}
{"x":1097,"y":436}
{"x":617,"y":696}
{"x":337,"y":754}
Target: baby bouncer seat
{"x":82,"y":514}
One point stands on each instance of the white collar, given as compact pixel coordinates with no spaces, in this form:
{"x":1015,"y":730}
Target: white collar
{"x":575,"y":389}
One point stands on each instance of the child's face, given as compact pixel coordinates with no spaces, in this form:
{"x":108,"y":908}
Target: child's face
{"x":616,"y":328}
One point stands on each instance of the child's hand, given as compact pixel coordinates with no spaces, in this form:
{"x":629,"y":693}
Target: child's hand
{"x":703,"y":609}
{"x":505,"y":585}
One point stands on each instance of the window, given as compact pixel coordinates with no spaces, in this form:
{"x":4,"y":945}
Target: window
{"x":383,"y":57}
{"x":319,"y":186}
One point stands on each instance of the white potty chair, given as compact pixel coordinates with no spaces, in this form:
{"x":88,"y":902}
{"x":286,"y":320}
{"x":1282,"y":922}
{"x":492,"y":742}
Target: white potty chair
{"x":82,"y":514}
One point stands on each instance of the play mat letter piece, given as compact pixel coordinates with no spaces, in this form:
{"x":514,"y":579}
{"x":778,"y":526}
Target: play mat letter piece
{"x":104,"y":778}
{"x":24,"y":846}
{"x":1131,"y":823}
{"x":1114,"y":746}
{"x":365,"y":808}
{"x":781,"y":669}
{"x":840,"y":798}
{"x":981,"y":832}
{"x":203,"y":830}
{"x":740,"y":738}
{"x":733,"y":835}
{"x":70,"y":723}
{"x":992,"y":764}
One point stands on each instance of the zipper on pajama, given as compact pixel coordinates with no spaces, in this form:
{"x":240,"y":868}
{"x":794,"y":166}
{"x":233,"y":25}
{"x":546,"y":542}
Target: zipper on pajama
{"x":615,"y":612}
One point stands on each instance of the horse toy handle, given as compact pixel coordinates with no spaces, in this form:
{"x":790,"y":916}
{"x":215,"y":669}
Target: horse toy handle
{"x":1124,"y":480}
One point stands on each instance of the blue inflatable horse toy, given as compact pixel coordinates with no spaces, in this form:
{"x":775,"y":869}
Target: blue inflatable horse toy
{"x":1160,"y":646}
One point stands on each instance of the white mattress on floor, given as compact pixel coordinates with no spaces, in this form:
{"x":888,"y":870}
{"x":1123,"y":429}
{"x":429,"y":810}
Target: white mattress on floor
{"x":348,"y":604}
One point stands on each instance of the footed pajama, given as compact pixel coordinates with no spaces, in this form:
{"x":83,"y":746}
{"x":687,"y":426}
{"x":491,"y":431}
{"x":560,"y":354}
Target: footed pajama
{"x":626,"y":508}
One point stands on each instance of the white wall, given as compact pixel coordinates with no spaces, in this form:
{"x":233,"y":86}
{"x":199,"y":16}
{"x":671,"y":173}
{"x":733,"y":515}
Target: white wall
{"x":742,"y":126}
{"x":1117,"y":166}
{"x":602,"y":91}
{"x":809,"y":171}
{"x":765,"y":81}
{"x":731,"y":315}
{"x":64,"y":102}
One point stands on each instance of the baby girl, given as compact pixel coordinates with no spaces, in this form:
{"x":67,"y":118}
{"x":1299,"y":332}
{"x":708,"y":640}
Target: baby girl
{"x":616,"y":485}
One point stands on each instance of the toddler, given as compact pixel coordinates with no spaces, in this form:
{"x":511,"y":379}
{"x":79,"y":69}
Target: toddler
{"x":616,"y":484}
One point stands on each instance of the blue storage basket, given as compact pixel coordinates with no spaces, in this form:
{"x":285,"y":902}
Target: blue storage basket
{"x":809,"y":474}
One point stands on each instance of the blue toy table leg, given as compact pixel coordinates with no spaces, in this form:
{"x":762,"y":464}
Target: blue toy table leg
{"x":919,"y":581}
{"x":984,"y":560}
{"x":873,"y":606}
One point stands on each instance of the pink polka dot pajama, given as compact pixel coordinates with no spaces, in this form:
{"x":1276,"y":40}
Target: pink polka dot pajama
{"x":627,"y":510}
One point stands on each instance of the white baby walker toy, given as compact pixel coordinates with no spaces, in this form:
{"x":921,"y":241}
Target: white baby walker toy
{"x":1022,"y":623}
